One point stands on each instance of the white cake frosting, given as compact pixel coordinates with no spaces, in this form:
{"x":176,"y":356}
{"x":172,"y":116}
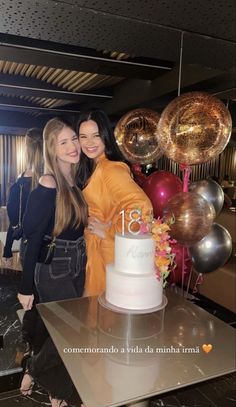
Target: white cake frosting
{"x":131,"y":282}
{"x":134,"y":254}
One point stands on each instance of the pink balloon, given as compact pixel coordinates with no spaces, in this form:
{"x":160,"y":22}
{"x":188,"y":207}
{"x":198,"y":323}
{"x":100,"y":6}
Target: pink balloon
{"x":176,"y":274}
{"x":160,"y":187}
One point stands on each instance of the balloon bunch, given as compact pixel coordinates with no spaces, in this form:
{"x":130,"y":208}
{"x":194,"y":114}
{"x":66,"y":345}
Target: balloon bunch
{"x":194,"y":128}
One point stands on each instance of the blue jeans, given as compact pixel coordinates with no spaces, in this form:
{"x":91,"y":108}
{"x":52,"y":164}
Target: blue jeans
{"x":64,"y":278}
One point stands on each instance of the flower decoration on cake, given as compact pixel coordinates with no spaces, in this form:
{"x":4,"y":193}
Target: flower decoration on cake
{"x":164,"y":258}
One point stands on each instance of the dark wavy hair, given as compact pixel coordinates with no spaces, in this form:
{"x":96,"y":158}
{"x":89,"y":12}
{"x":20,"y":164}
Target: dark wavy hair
{"x":112,"y":151}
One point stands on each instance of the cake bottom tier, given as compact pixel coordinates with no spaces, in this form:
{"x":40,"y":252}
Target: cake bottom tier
{"x":133,"y":291}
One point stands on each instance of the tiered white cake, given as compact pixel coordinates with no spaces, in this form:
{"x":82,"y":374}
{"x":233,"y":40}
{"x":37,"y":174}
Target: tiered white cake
{"x":131,"y":282}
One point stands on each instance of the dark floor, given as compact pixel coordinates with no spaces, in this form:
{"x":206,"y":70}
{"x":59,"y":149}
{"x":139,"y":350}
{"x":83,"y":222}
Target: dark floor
{"x":14,"y":398}
{"x":38,"y":398}
{"x":220,"y":392}
{"x":10,"y":326}
{"x":12,"y":349}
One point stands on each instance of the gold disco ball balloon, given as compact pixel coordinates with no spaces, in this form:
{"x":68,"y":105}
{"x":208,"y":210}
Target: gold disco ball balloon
{"x":136,"y":136}
{"x":194,"y":128}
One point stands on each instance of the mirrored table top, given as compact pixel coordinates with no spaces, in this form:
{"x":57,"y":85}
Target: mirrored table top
{"x":118,"y":358}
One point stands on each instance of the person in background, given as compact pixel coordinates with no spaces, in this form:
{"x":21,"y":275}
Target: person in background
{"x":16,"y":206}
{"x":57,"y":210}
{"x":109,"y":189}
{"x":226,"y":183}
{"x":227,"y":200}
{"x":229,"y":190}
{"x":20,"y":190}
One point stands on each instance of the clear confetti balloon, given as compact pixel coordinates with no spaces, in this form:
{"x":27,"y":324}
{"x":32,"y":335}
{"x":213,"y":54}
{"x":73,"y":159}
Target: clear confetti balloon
{"x":136,"y":135}
{"x":194,"y":128}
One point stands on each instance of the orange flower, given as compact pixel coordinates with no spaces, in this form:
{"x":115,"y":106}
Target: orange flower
{"x":163,"y":256}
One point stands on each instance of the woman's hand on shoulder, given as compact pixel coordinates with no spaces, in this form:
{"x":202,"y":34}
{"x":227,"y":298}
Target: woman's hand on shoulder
{"x":26,"y":301}
{"x":47,"y":181}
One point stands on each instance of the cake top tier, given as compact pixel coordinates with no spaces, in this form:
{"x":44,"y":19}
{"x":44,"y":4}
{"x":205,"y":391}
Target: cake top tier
{"x":134,"y":254}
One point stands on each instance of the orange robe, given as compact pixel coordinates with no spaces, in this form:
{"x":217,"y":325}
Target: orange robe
{"x":110,"y":190}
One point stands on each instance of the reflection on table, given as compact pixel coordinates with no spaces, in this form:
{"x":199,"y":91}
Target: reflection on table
{"x":115,"y":358}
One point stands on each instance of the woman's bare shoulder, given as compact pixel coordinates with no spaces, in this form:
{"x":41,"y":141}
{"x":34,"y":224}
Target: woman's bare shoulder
{"x":47,"y":181}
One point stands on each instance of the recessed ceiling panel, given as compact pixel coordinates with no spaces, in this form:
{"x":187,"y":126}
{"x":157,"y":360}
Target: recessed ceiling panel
{"x":210,"y":17}
{"x":68,"y":24}
{"x":142,"y":28}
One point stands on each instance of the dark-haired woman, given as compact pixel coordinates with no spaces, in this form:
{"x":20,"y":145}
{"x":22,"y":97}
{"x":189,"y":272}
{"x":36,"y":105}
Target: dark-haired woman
{"x":108,"y":189}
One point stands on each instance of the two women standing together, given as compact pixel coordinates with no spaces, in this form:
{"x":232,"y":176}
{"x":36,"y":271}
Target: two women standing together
{"x":91,"y":159}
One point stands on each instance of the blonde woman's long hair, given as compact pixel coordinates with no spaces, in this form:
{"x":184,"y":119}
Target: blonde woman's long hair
{"x":34,"y":154}
{"x":71,"y":208}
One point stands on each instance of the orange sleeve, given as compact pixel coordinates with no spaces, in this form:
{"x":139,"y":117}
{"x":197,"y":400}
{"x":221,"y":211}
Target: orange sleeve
{"x":125,"y":193}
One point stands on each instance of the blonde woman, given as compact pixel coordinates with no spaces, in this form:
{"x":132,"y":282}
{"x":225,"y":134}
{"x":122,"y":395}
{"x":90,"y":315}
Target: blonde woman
{"x":55,"y":208}
{"x":20,"y":190}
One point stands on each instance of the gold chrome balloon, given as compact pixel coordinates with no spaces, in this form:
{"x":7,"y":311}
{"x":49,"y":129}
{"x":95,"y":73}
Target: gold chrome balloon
{"x":136,"y":135}
{"x":194,"y":128}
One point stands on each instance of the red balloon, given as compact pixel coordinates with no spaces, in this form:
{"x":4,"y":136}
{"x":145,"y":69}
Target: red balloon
{"x":160,"y":187}
{"x":139,"y":177}
{"x":175,"y":276}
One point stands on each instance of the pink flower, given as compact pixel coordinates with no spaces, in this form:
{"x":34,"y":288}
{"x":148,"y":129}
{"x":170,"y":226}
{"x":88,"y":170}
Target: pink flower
{"x":144,"y":228}
{"x":158,"y":274}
